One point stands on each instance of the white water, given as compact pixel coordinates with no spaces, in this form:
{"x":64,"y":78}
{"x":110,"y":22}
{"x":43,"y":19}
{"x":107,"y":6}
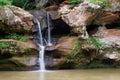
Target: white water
{"x":41,"y":45}
{"x":49,"y":32}
{"x":41,"y":49}
{"x":41,"y":57}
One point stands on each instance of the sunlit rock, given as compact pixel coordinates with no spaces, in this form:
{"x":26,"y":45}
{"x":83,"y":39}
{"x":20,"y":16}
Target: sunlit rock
{"x":80,"y":16}
{"x":15,"y":19}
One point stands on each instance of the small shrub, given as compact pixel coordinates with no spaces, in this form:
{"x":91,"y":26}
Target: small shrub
{"x":96,"y":42}
{"x":25,"y":4}
{"x":74,"y":2}
{"x":75,"y":50}
{"x":5,"y":2}
{"x":16,"y":37}
{"x":4,"y":45}
{"x":101,"y":2}
{"x":1,"y":38}
{"x":118,"y":27}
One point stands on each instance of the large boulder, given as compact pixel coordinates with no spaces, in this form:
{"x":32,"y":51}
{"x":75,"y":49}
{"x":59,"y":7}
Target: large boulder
{"x":15,"y":19}
{"x":79,"y":16}
{"x":18,"y":55}
{"x":63,"y":47}
{"x":107,"y":17}
{"x":110,"y":38}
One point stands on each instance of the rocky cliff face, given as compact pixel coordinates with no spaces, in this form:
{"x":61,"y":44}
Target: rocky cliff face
{"x":97,"y":37}
{"x":15,"y":19}
{"x":92,"y":41}
{"x":17,"y":49}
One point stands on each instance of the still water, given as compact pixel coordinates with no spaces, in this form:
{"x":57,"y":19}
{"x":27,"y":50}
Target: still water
{"x":99,"y":74}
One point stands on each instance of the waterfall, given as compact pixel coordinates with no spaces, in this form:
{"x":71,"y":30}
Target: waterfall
{"x":42,"y":40}
{"x":41,"y":48}
{"x":48,"y":30}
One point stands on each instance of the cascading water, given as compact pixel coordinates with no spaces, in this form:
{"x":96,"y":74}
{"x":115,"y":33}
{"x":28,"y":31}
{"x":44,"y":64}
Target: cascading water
{"x":48,"y":32}
{"x":41,"y":48}
{"x":41,"y":41}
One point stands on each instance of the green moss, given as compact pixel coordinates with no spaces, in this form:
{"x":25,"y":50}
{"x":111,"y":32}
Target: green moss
{"x":96,"y":42}
{"x":75,"y":50}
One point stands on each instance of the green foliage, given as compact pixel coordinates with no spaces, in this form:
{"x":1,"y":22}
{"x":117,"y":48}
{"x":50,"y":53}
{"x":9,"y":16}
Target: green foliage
{"x":76,"y":46}
{"x":97,"y":65}
{"x":25,"y":4}
{"x":98,"y":1}
{"x":1,"y":37}
{"x":96,"y":42}
{"x":75,"y":50}
{"x":16,"y":37}
{"x":118,"y":27}
{"x":74,"y":2}
{"x":17,"y":63}
{"x":5,"y":2}
{"x":101,"y":2}
{"x":4,"y":45}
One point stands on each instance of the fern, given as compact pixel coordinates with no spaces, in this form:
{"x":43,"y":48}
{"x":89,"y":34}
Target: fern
{"x":5,"y":2}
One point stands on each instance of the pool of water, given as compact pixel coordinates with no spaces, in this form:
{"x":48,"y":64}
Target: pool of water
{"x":95,"y":74}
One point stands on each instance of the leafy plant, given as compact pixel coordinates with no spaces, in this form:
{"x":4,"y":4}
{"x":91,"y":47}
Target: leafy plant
{"x":101,"y":2}
{"x":118,"y":27}
{"x":16,"y":37}
{"x":25,"y":4}
{"x":73,"y":2}
{"x":5,"y":2}
{"x":96,"y":42}
{"x":75,"y":50}
{"x":97,"y":1}
{"x":4,"y":45}
{"x":1,"y":37}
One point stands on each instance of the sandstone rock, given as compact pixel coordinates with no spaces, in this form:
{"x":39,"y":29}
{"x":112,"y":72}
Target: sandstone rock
{"x":19,"y":63}
{"x":80,"y":16}
{"x":41,"y":16}
{"x":17,"y":47}
{"x":110,"y":38}
{"x":64,"y":47}
{"x":18,"y":55}
{"x":107,"y":17}
{"x":115,"y":5}
{"x":87,"y":54}
{"x":14,"y":19}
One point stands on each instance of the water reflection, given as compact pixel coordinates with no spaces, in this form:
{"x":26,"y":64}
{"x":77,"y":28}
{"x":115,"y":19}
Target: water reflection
{"x":100,"y":74}
{"x":42,"y":76}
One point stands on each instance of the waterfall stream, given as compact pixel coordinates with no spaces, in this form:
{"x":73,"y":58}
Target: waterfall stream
{"x":41,"y":41}
{"x":41,"y":48}
{"x":48,"y":32}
